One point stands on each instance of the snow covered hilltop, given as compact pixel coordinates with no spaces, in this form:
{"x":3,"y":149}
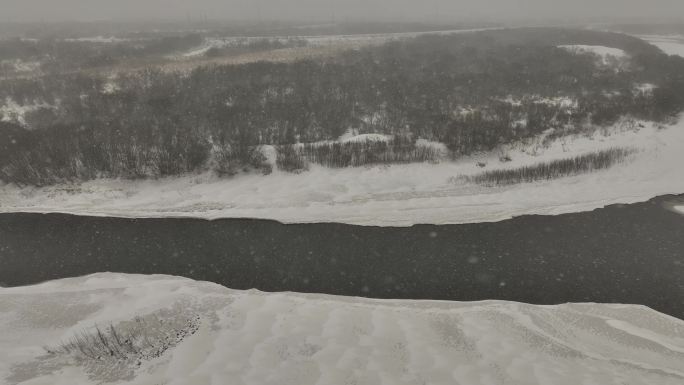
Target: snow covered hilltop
{"x":201,"y":333}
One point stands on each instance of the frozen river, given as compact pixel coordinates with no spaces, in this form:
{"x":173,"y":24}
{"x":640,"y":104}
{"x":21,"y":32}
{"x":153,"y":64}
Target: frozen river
{"x":621,"y":254}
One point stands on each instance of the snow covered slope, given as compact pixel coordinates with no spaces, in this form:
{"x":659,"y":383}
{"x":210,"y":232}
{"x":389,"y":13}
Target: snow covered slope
{"x":354,"y":40}
{"x":257,"y":338}
{"x":596,"y":49}
{"x":606,"y":54}
{"x":670,"y":44}
{"x":399,"y":195}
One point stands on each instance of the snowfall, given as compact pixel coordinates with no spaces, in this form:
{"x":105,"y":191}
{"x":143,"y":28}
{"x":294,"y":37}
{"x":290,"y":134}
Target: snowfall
{"x":605,"y":53}
{"x":355,"y":40}
{"x":670,"y":44}
{"x":251,"y":337}
{"x":397,"y":195}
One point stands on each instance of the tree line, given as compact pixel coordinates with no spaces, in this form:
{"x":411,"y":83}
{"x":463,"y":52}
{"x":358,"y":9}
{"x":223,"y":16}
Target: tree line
{"x":472,"y":92}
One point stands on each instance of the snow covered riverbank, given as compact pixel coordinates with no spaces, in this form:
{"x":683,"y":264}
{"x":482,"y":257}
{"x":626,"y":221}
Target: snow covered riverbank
{"x":257,"y":338}
{"x":398,"y":195}
{"x":670,"y":44}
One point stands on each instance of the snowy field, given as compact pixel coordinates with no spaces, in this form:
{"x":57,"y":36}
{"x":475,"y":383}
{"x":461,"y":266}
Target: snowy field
{"x":398,"y":195}
{"x":250,"y":337}
{"x":316,"y":47}
{"x":355,"y":41}
{"x":606,"y":54}
{"x":670,"y":44}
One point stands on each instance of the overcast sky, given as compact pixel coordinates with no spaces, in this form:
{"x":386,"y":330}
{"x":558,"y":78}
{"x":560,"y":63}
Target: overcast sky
{"x":416,"y":10}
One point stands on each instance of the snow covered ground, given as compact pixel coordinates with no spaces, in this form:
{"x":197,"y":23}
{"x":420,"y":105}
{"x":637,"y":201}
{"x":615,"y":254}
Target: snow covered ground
{"x":13,"y":112}
{"x":605,"y":53}
{"x":398,"y":195}
{"x":98,"y":39}
{"x":250,"y":337}
{"x":20,"y":66}
{"x":670,"y":44}
{"x":355,"y":40}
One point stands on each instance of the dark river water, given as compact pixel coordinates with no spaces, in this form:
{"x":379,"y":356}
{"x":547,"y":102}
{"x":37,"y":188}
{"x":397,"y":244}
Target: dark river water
{"x":623,"y":254}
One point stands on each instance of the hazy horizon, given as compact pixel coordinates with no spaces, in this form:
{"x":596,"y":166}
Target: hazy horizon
{"x":335,"y":10}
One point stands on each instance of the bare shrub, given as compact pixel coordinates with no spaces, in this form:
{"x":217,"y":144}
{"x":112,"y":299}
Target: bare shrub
{"x":142,"y":339}
{"x":553,"y":170}
{"x":228,"y":161}
{"x":290,"y":159}
{"x":224,"y":161}
{"x":255,"y":159}
{"x":355,"y":154}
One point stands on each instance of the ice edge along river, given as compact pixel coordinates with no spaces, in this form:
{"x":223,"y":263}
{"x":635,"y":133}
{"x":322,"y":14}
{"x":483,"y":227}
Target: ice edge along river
{"x":250,"y":337}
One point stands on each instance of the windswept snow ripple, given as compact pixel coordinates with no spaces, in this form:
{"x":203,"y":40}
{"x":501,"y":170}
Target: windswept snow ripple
{"x":258,"y":338}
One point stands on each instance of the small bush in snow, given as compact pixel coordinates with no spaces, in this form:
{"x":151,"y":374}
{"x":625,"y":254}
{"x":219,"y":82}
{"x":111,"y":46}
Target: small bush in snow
{"x":131,"y":342}
{"x":256,"y":159}
{"x":227,"y":161}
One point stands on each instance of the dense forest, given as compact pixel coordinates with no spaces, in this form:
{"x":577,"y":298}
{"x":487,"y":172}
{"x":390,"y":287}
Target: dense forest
{"x":471,"y":91}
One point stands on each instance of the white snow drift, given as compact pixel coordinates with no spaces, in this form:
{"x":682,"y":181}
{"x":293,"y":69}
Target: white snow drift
{"x":282,"y":339}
